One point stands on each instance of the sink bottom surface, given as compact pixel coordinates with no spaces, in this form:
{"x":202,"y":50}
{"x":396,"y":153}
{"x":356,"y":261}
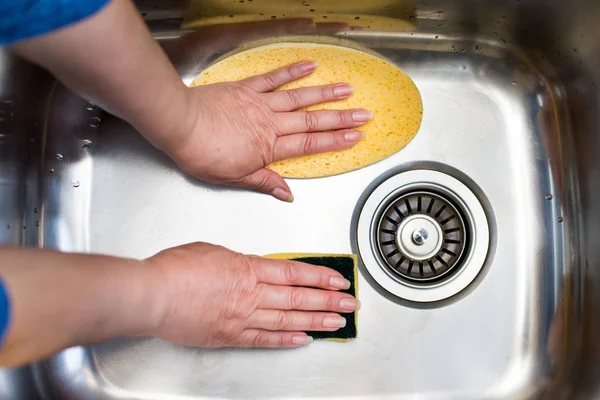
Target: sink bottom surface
{"x":486,"y":117}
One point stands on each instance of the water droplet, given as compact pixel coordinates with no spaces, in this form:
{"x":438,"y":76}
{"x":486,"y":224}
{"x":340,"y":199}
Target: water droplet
{"x":35,"y":211}
{"x":86,"y":143}
{"x":75,"y":184}
{"x":549,"y":197}
{"x":514,"y":83}
{"x":59,"y":156}
{"x":560,"y":219}
{"x":90,"y":106}
{"x":37,"y":224}
{"x":463,"y":67}
{"x":51,"y":170}
{"x":94,"y":122}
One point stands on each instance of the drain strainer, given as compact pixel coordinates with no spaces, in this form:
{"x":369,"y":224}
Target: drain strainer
{"x":423,"y":235}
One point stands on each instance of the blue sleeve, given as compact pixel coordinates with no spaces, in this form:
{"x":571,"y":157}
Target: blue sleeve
{"x":4,"y":311}
{"x":23,"y":19}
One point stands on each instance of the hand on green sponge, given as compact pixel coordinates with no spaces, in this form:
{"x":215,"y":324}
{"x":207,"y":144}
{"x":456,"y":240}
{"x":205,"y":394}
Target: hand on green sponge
{"x":346,"y":264}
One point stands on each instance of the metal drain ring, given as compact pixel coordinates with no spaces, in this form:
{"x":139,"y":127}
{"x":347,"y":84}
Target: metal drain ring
{"x":403,"y":226}
{"x":412,"y":286}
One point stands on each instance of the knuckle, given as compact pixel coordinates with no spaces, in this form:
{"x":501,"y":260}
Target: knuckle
{"x":311,"y":121}
{"x":330,"y":301}
{"x":309,"y":144}
{"x":263,"y":184}
{"x":314,"y":323}
{"x":270,"y":80}
{"x":296,"y":298}
{"x":291,"y":273}
{"x":282,"y":321}
{"x":327,"y":93}
{"x":344,"y":118}
{"x":324,"y":278}
{"x":295,"y":99}
{"x":261,"y":339}
{"x":243,"y":95}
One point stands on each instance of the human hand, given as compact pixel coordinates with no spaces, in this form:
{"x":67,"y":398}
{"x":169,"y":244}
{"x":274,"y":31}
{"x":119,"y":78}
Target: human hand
{"x":238,"y":128}
{"x":219,"y":298}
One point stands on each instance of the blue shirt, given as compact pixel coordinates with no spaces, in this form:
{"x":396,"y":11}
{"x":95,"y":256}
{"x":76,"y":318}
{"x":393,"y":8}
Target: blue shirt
{"x":4,"y":311}
{"x":24,"y":19}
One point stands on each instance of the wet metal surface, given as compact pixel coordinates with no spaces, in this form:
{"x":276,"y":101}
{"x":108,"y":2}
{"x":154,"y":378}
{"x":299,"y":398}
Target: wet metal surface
{"x":507,"y":111}
{"x":132,"y":201}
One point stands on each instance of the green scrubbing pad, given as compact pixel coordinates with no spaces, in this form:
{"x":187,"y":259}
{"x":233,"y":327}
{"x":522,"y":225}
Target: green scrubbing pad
{"x":346,"y":264}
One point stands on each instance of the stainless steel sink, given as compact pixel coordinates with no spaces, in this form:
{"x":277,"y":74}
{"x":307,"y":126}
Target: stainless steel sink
{"x":509,"y":140}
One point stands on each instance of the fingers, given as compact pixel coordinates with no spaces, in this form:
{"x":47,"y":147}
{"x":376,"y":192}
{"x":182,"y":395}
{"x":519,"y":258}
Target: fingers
{"x":290,"y":100}
{"x":285,"y":272}
{"x":322,"y":120}
{"x":303,"y":144}
{"x":267,"y":181}
{"x":279,"y":77}
{"x":298,"y":298}
{"x":276,"y":320}
{"x":268,"y":339}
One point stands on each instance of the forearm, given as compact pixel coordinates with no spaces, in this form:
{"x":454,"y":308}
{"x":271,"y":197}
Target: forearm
{"x":111,"y":59}
{"x":60,"y":300}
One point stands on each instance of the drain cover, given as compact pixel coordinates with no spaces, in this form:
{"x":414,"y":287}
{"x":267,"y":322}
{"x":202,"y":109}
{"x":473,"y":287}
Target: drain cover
{"x":422,"y":235}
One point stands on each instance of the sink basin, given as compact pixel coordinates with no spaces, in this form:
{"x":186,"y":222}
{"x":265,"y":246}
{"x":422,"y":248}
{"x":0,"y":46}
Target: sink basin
{"x":509,"y":132}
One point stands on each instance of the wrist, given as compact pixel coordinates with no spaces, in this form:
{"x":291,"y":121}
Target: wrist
{"x":126,"y":300}
{"x":148,"y":301}
{"x":168,"y":124}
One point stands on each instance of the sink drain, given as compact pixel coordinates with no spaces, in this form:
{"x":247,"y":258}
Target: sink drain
{"x":422,"y":235}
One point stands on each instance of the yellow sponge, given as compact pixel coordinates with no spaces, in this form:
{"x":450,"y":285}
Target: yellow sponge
{"x":379,"y":86}
{"x":345,"y":264}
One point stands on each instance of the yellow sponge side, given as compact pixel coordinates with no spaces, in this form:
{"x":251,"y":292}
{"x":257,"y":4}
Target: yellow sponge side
{"x":353,"y":280}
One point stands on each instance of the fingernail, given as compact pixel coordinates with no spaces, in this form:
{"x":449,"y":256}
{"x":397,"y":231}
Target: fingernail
{"x":362,"y":115}
{"x":283,"y":195}
{"x":353,"y":136}
{"x":308,"y":66}
{"x":338,"y":282}
{"x":302,"y":340}
{"x":349,"y":304}
{"x":343,"y":90}
{"x":334,"y":322}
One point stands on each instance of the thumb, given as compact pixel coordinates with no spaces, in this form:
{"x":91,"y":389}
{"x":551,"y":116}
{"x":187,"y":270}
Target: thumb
{"x":266,"y":181}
